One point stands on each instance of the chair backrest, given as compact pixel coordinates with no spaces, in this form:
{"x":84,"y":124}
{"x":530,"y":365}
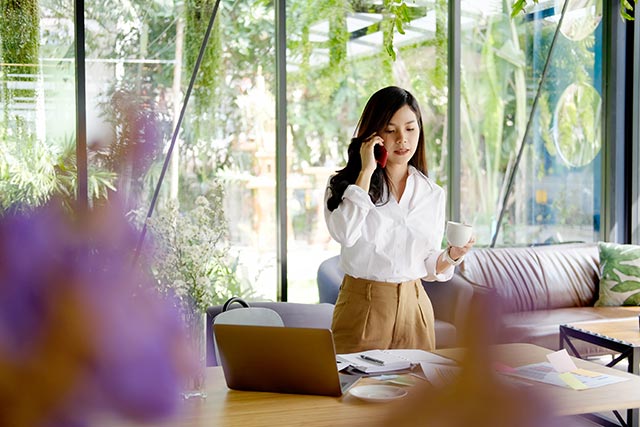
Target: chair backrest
{"x":329,"y":278}
{"x":296,"y":315}
{"x":247,"y":315}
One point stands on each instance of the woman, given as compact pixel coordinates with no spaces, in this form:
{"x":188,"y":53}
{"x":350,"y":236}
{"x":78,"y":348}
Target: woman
{"x":389,"y":220}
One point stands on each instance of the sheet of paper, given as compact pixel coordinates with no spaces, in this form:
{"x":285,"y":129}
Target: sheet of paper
{"x":439,"y":375}
{"x":417,"y":356}
{"x":342,"y":365}
{"x":544,"y":372}
{"x":561,"y":361}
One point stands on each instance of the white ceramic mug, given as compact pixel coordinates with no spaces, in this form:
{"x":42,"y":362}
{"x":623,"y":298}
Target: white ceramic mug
{"x":458,"y":234}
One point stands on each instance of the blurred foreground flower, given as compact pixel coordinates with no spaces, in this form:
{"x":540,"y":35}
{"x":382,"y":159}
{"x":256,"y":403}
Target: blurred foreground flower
{"x":477,"y":396}
{"x":82,"y":332}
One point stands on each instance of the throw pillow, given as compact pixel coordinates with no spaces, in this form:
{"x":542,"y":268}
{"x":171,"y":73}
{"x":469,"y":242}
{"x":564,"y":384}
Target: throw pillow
{"x":619,"y":274}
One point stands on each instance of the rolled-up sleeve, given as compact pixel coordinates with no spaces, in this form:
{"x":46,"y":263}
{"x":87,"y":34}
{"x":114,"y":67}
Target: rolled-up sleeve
{"x":346,"y":221}
{"x":430,"y":264}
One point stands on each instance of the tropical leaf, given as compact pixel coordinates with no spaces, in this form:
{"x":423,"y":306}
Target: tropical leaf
{"x":517,"y":7}
{"x":633,"y":299}
{"x":626,"y":286}
{"x":615,"y":259}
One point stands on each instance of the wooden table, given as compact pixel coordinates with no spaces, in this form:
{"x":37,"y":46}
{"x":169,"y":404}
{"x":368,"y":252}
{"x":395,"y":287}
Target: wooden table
{"x":224,"y":407}
{"x":620,"y":335}
{"x":230,"y":408}
{"x":620,"y":396}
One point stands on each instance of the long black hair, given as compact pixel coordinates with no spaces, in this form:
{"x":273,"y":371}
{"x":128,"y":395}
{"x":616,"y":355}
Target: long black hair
{"x":374,"y":119}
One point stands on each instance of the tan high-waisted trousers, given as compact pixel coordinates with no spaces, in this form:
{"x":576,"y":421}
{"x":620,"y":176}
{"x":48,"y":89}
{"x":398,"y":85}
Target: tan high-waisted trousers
{"x":370,"y":315}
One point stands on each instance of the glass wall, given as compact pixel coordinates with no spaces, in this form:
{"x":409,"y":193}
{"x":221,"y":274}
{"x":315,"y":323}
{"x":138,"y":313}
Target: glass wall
{"x":140,"y":57}
{"x":555,"y":196}
{"x":336,"y":60}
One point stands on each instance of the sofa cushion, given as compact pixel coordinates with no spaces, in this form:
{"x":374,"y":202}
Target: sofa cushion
{"x":542,"y":327}
{"x":446,"y":334}
{"x":619,"y":274}
{"x":537,"y":277}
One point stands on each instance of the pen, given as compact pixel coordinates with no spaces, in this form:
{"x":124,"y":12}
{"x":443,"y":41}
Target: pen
{"x":372,"y":359}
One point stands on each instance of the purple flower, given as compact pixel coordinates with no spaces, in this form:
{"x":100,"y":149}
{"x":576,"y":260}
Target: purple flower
{"x":82,"y":330}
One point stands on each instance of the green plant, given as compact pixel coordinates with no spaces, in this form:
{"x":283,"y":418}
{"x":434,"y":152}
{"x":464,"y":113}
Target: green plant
{"x":190,"y":254}
{"x":32,"y":172}
{"x":397,"y":14}
{"x":625,"y":7}
{"x":19,"y":48}
{"x":493,"y":111}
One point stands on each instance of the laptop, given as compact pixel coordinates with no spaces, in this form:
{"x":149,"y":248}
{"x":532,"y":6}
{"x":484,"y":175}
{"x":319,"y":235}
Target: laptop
{"x":280,"y":359}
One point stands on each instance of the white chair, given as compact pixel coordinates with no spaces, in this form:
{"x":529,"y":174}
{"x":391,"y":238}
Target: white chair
{"x":246,"y":315}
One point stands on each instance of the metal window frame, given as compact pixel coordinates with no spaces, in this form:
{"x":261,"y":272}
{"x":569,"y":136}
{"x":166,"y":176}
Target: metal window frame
{"x":82,"y":194}
{"x":453,"y":111}
{"x":281,"y":148}
{"x":633,"y":64}
{"x":615,"y":189}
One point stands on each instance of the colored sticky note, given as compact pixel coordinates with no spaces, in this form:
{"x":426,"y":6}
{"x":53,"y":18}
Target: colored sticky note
{"x":586,"y":373}
{"x":572,"y":381}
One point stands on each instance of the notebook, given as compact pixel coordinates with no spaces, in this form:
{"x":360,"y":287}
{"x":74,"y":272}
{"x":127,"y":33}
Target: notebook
{"x":280,"y":359}
{"x":378,"y":361}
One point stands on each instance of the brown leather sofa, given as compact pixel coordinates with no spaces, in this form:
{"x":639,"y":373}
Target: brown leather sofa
{"x":536,"y":289}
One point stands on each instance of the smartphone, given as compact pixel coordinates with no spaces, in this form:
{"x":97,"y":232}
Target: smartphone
{"x":380,"y":154}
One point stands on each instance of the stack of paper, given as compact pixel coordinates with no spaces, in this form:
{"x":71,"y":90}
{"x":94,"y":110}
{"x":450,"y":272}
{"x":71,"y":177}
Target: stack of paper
{"x":374,"y":361}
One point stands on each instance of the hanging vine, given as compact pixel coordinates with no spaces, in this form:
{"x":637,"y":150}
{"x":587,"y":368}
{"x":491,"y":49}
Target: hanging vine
{"x":20,"y":46}
{"x":198,"y":14}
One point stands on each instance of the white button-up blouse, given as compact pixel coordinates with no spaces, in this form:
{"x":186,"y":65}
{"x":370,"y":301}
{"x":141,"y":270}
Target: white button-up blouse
{"x":394,"y":242}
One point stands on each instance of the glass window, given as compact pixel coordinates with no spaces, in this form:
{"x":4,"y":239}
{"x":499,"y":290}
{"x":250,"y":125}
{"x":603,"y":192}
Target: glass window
{"x":139,"y":62}
{"x":337,"y":57}
{"x":37,"y":124}
{"x":556,"y":190}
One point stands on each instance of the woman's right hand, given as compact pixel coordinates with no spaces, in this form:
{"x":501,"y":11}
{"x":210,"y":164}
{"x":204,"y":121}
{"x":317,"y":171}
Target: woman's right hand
{"x":367,"y":156}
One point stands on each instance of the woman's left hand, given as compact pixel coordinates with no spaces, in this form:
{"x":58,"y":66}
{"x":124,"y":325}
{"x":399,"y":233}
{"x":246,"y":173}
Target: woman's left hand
{"x":456,"y":252}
